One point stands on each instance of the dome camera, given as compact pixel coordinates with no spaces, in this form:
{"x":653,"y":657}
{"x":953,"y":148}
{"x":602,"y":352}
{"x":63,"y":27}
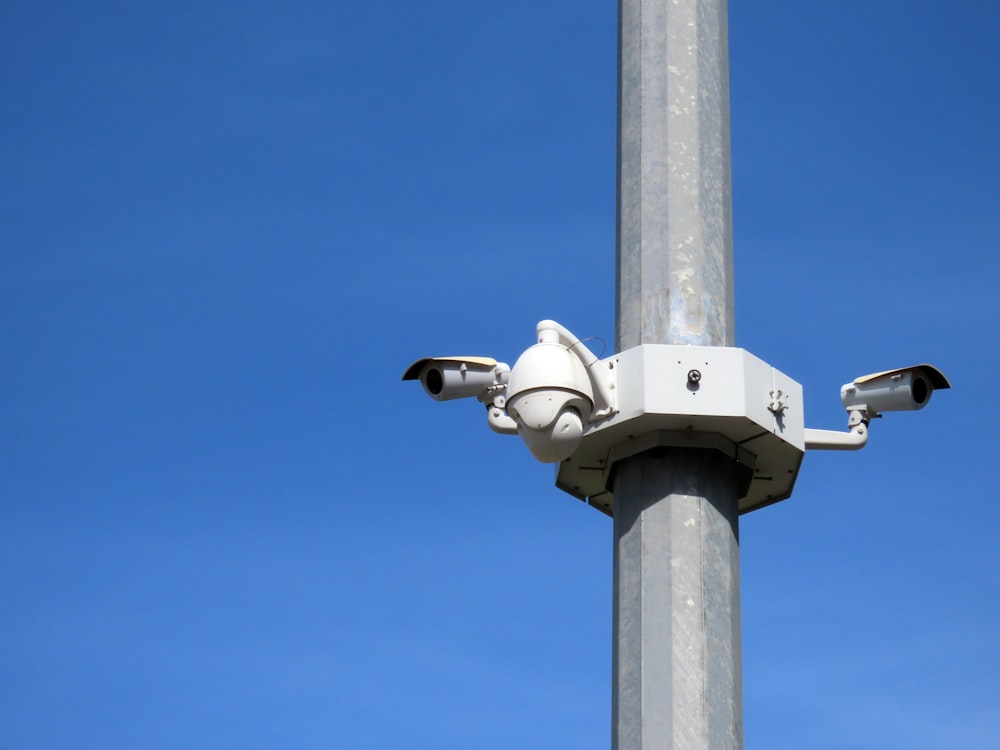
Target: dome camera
{"x":550,"y":398}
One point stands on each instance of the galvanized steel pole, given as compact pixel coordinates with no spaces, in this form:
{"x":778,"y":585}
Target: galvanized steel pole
{"x":677,"y":661}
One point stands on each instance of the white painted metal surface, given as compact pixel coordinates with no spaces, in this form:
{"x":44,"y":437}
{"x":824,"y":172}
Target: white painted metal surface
{"x":718,"y":398}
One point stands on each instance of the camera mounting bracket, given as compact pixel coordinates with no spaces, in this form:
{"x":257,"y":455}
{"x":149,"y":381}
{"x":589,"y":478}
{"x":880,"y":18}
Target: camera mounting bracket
{"x":721,"y":398}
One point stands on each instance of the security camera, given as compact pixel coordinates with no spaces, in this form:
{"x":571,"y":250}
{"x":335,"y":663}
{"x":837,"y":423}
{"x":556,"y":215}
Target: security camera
{"x":447,"y":378}
{"x":905,"y":389}
{"x":550,"y":398}
{"x":556,"y":388}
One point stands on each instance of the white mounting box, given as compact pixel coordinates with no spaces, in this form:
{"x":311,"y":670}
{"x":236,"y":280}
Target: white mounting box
{"x":699,"y":397}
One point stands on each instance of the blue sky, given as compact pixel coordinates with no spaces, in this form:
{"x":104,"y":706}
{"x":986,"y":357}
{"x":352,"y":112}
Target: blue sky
{"x":229,"y":227}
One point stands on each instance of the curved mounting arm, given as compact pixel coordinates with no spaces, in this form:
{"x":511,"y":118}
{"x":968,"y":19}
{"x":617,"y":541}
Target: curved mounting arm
{"x":853,"y":440}
{"x":497,"y":417}
{"x":604,"y":402}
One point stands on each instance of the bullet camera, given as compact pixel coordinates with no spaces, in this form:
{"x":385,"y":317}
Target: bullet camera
{"x":905,"y":389}
{"x":447,"y":378}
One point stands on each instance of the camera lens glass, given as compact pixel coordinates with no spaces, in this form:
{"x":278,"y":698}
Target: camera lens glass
{"x":921,"y":392}
{"x":435,"y":382}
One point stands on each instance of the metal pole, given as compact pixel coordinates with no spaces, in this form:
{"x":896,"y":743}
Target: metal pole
{"x":677,"y":661}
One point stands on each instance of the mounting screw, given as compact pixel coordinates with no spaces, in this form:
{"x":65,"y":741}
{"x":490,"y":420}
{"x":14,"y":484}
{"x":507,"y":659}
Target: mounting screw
{"x":778,"y":403}
{"x":694,"y":376}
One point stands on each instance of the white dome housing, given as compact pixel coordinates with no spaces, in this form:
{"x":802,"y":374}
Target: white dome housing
{"x":550,"y":397}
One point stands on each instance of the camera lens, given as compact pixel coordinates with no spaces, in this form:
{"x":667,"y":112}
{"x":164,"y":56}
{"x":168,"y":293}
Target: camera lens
{"x":435,"y":381}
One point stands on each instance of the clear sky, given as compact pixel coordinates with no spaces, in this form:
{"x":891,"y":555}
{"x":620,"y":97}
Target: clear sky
{"x":227,"y":228}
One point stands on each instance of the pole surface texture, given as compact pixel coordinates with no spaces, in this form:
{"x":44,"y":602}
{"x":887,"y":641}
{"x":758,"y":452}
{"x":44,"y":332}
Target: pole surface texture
{"x":675,"y":239}
{"x":677,"y":679}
